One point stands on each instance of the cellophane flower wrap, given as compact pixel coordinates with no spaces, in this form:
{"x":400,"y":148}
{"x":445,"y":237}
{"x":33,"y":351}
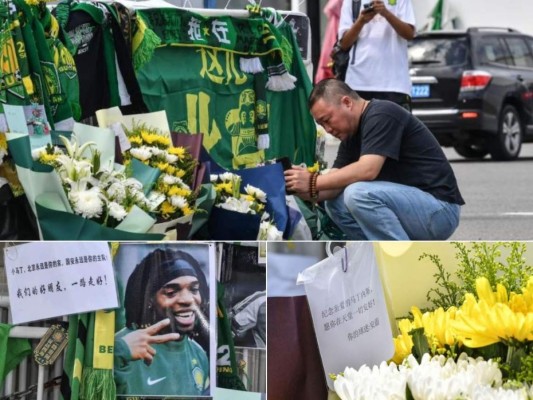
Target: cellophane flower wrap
{"x":247,"y":200}
{"x":101,"y":195}
{"x":172,"y":193}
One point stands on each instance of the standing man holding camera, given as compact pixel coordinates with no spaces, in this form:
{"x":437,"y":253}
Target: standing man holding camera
{"x":378,"y":67}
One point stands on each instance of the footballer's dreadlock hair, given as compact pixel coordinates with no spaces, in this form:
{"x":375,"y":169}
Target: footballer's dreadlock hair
{"x":157,"y":268}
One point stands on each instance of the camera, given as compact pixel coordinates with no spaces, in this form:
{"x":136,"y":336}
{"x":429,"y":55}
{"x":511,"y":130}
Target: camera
{"x":368,"y":7}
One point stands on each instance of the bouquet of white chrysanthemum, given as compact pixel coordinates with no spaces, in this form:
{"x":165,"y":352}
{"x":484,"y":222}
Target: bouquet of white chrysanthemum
{"x":229,"y":196}
{"x":435,"y":377}
{"x":172,"y":192}
{"x":103,"y":196}
{"x":250,"y":202}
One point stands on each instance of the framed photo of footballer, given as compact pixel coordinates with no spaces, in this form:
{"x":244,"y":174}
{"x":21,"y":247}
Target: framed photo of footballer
{"x":165,"y":332}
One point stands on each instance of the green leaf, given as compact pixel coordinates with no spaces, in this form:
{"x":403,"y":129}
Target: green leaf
{"x":420,"y":343}
{"x":496,"y":350}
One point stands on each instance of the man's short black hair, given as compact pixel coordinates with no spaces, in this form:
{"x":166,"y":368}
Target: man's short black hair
{"x":331,"y":90}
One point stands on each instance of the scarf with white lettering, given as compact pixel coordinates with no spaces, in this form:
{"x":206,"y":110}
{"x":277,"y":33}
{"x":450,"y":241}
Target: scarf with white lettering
{"x":254,"y":37}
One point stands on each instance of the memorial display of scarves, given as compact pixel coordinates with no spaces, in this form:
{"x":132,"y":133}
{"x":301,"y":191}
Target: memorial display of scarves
{"x":44,"y":71}
{"x":87,"y":28}
{"x":88,"y":366}
{"x":103,"y":56}
{"x":192,"y":67}
{"x":15,"y":84}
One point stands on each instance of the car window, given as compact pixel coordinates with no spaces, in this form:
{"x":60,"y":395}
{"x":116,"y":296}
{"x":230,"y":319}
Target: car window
{"x":520,"y":52}
{"x":529,"y":41}
{"x":490,"y":50}
{"x":438,"y":51}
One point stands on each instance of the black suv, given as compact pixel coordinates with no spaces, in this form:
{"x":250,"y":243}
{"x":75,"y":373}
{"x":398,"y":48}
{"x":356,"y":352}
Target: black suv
{"x":474,"y":89}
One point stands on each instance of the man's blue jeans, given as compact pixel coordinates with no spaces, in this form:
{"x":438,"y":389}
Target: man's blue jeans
{"x":379,"y":210}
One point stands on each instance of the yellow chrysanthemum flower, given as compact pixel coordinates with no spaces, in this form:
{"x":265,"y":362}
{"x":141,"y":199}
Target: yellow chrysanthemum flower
{"x":187,"y":210}
{"x":177,"y":151}
{"x":48,"y":159}
{"x":485,"y":293}
{"x":437,"y":328}
{"x":161,"y":165}
{"x":178,"y":191}
{"x":163,"y":140}
{"x":523,"y":302}
{"x":149,"y":138}
{"x":179,"y":173}
{"x":486,"y":321}
{"x":403,"y":343}
{"x":167,"y":209}
{"x":171,"y":170}
{"x":225,"y":187}
{"x":135,"y":140}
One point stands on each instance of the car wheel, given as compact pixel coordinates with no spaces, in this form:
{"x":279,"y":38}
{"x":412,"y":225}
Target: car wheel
{"x":507,"y":143}
{"x":470,"y":151}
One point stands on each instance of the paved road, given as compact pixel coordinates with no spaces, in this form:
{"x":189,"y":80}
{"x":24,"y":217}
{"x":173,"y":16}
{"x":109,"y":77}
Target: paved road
{"x":498,"y":195}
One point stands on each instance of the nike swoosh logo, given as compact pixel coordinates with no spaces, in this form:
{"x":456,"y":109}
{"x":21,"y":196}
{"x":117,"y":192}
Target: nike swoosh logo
{"x":151,"y":382}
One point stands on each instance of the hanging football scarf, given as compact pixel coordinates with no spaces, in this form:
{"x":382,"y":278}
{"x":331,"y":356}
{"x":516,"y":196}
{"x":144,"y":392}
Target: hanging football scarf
{"x":59,"y":110}
{"x":86,"y":26}
{"x":11,"y":87}
{"x":204,"y":89}
{"x":245,"y":37}
{"x":63,"y":61}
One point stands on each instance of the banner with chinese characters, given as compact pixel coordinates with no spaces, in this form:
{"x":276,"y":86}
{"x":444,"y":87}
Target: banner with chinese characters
{"x":51,"y":279}
{"x":197,"y":76}
{"x":349,"y":309}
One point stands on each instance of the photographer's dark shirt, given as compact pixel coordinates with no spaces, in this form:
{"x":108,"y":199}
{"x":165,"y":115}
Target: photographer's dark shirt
{"x":413,"y":155}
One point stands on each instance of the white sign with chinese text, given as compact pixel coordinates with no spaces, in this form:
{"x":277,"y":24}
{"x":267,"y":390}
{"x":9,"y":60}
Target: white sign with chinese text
{"x":349,"y":309}
{"x":51,"y":279}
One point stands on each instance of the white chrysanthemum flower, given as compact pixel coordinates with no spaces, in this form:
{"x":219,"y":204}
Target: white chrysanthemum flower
{"x":178,"y":201}
{"x":489,"y":393}
{"x":156,"y":151}
{"x":117,"y":211}
{"x":171,"y":180}
{"x":133,"y":184}
{"x":239,"y":205}
{"x":142,"y":153}
{"x":379,"y":382}
{"x":87,"y":203}
{"x":213,"y":177}
{"x":442,"y":378}
{"x":228,"y":176}
{"x":256,"y":193}
{"x":171,"y":158}
{"x":117,"y":191}
{"x":269,"y":231}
